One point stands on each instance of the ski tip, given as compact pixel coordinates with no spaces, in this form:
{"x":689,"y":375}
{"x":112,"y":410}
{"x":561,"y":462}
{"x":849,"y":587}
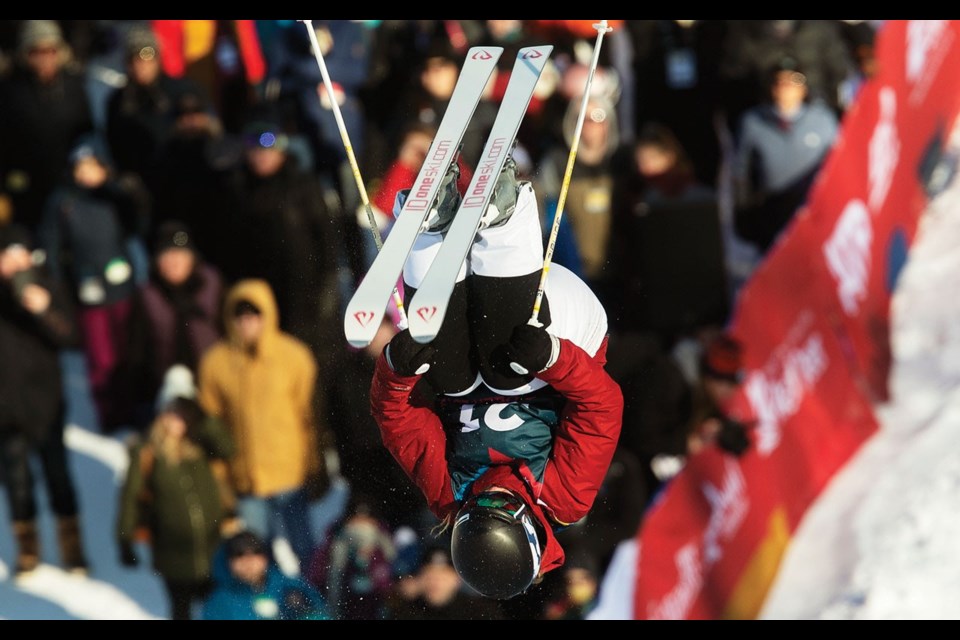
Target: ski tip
{"x":536,"y":51}
{"x":359,"y":329}
{"x":484,"y":53}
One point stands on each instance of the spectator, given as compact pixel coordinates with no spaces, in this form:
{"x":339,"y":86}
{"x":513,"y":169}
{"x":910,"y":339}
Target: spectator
{"x":283,"y":232}
{"x":656,"y":402}
{"x":175,"y":316}
{"x":345,"y":45}
{"x":140,"y":115}
{"x":44,"y":109}
{"x":193,"y":169}
{"x":354,"y":567}
{"x":663,"y":215}
{"x":249,"y":585}
{"x":751,"y":47}
{"x":438,"y":593}
{"x":674,"y":79}
{"x":87,"y":229}
{"x":720,"y":375}
{"x":780,"y":148}
{"x":261,"y":382}
{"x":223,"y":57}
{"x":581,"y":587}
{"x":36,"y":322}
{"x":587,"y":209}
{"x":173,"y":498}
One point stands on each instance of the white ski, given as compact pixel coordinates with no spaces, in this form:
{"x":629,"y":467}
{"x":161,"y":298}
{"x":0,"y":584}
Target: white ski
{"x":369,"y":302}
{"x":429,"y":305}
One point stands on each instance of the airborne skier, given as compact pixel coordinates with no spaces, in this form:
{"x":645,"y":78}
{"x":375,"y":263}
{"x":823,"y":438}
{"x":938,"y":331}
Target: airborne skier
{"x":506,"y":427}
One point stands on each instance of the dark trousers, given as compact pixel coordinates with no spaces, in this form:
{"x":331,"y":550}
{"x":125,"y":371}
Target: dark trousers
{"x":15,"y":466}
{"x":182,"y":595}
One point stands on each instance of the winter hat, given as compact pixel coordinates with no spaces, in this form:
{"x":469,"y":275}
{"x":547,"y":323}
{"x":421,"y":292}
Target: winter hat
{"x":243,"y":543}
{"x":265,"y":133}
{"x":142,"y":43}
{"x":786,"y":63}
{"x":15,"y":234}
{"x":723,"y":359}
{"x":34,"y":33}
{"x":174,"y":234}
{"x":88,"y":146}
{"x":177,"y":383}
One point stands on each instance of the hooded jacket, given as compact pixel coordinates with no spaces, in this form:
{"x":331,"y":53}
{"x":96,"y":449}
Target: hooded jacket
{"x":583,"y":444}
{"x":186,"y":510}
{"x":265,"y":396}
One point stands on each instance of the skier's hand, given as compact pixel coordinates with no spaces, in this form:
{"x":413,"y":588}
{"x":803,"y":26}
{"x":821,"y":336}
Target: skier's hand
{"x":128,"y":557}
{"x":530,"y":350}
{"x":407,"y":357}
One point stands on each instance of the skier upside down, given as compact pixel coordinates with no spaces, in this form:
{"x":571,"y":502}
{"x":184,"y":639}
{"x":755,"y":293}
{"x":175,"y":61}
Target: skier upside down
{"x":507,"y":458}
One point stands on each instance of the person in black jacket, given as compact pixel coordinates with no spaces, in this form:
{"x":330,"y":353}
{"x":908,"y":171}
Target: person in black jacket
{"x":36,"y":321}
{"x":44,"y":109}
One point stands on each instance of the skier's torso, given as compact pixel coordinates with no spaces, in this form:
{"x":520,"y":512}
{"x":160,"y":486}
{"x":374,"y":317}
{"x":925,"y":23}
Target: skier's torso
{"x":485,"y":427}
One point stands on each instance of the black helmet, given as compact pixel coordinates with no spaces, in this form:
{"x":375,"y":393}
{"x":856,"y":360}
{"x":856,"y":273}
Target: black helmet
{"x":496,"y":544}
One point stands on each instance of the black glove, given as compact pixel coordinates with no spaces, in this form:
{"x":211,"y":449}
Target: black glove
{"x":408,"y":357}
{"x":128,"y":557}
{"x":732,"y":437}
{"x":528,"y":351}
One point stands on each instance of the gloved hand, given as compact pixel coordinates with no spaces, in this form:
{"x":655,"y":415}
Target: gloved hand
{"x":732,"y":437}
{"x":530,"y":349}
{"x":407,"y":357}
{"x":128,"y":557}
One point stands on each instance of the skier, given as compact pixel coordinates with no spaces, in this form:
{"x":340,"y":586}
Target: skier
{"x":505,"y":426}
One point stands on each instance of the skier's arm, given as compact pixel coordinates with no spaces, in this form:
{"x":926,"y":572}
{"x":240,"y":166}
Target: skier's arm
{"x":587,"y":435}
{"x":413,"y":434}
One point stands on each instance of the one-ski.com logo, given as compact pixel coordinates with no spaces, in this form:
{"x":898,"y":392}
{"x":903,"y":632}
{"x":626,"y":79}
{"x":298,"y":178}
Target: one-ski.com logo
{"x":426,"y":313}
{"x":363,"y":318}
{"x":481,"y":55}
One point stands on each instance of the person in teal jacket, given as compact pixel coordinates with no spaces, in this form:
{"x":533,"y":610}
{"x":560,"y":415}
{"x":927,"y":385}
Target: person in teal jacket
{"x":249,"y":585}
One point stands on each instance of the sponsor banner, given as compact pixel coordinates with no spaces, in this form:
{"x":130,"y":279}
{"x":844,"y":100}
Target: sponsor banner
{"x":712,"y":544}
{"x":879,"y":177}
{"x":814,"y":321}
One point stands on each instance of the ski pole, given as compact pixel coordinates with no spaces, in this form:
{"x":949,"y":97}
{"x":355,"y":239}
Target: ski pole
{"x":601,"y":28}
{"x":374,"y":229}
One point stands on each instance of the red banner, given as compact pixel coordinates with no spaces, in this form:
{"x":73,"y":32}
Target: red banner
{"x":814,"y":321}
{"x":869,"y":197}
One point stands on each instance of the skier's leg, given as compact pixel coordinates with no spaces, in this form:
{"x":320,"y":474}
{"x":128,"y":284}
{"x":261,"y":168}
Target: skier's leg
{"x":506,"y":262}
{"x":454,"y":370}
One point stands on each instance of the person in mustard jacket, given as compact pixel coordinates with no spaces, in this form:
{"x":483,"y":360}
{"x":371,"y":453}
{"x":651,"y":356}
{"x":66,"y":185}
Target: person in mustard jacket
{"x":261,"y":382}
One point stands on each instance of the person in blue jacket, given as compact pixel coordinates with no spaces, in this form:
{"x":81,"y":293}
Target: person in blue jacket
{"x":249,"y":585}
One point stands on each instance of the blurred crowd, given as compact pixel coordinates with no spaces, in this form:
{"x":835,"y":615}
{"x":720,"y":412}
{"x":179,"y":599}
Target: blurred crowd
{"x":177,"y":204}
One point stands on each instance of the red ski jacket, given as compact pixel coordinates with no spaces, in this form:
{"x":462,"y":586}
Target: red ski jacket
{"x":584,"y":442}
